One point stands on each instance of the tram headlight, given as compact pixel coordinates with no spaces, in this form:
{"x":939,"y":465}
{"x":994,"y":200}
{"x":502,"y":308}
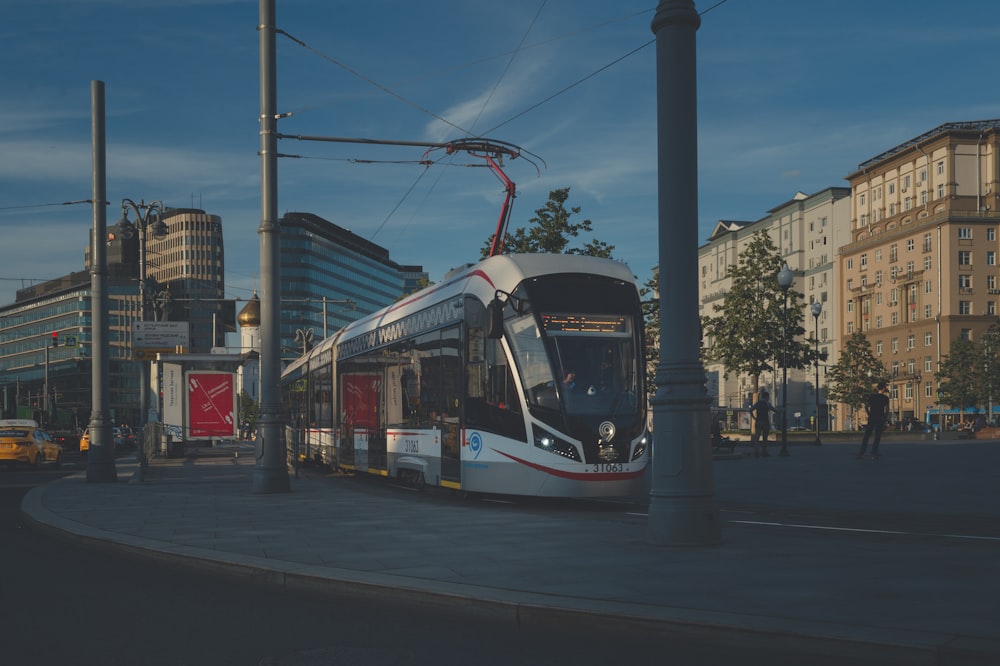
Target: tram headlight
{"x":641,"y":447}
{"x":549,"y":442}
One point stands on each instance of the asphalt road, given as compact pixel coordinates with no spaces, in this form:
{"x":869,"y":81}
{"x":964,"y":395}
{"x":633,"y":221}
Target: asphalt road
{"x":65,"y":604}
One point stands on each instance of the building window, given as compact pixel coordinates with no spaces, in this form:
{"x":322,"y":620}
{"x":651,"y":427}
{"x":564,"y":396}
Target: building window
{"x":928,"y":389}
{"x":965,"y":281}
{"x":927,"y":242}
{"x":893,"y":252}
{"x":878,"y":256}
{"x":864,"y":261}
{"x":911,"y":341}
{"x":895,"y":345}
{"x":892,"y":188}
{"x":965,"y":233}
{"x":850,"y":264}
{"x":909,"y":268}
{"x":940,"y":191}
{"x":928,"y":339}
{"x":991,"y":234}
{"x":991,"y":307}
{"x":965,"y":307}
{"x":910,"y":244}
{"x":940,"y":168}
{"x":878,"y":321}
{"x":991,"y":258}
{"x":927,"y":263}
{"x":966,"y":334}
{"x":964,"y":258}
{"x":895,"y":318}
{"x":991,"y":281}
{"x":928,"y":287}
{"x":927,"y":312}
{"x":878,"y":347}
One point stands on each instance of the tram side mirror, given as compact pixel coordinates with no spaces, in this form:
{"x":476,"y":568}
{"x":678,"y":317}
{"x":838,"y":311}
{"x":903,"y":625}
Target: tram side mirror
{"x":494,"y":319}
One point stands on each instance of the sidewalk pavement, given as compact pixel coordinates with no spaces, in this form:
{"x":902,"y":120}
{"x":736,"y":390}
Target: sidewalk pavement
{"x":894,"y":561}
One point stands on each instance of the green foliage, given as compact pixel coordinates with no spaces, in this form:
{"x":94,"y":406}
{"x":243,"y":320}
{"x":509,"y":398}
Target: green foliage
{"x":753,"y":329}
{"x":651,"y":319}
{"x":249,"y":410}
{"x":856,"y":373}
{"x":961,"y":375}
{"x":551,"y":231}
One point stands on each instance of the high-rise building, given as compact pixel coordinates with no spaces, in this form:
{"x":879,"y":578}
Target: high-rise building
{"x":807,"y":231}
{"x":331,"y":277}
{"x":188,"y":264}
{"x":920,"y":269}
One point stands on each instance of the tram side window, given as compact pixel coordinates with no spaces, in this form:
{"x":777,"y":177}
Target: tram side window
{"x":492,"y":402}
{"x":321,"y":385}
{"x":402,"y":392}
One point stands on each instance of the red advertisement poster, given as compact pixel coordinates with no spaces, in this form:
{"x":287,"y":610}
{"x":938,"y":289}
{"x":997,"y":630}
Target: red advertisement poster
{"x":360,"y":399}
{"x":211,"y":405}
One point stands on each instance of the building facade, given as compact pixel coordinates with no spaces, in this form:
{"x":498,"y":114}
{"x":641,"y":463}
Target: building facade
{"x":59,"y":311}
{"x":331,"y":277}
{"x":920,"y":269}
{"x":807,"y":230}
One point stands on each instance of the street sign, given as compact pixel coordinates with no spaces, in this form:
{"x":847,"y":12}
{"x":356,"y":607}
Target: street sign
{"x":164,"y":336}
{"x":70,"y":341}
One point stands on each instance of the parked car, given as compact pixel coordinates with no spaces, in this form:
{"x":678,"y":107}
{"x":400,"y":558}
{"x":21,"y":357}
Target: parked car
{"x":23,"y":442}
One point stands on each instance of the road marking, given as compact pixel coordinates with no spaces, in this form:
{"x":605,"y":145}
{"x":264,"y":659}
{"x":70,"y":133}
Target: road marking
{"x":970,"y":537}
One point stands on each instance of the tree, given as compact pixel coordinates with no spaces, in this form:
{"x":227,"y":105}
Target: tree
{"x":248,"y":411}
{"x":752,"y":328}
{"x":551,"y":231}
{"x":651,"y":320}
{"x":855,"y":374}
{"x":960,"y":375}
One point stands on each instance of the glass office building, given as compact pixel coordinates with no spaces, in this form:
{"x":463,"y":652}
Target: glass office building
{"x":331,"y":277}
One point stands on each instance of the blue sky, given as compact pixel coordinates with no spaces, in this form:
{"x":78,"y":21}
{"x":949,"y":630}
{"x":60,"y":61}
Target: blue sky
{"x":793,"y":95}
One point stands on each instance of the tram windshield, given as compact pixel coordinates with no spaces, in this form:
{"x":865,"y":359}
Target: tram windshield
{"x":581,"y":363}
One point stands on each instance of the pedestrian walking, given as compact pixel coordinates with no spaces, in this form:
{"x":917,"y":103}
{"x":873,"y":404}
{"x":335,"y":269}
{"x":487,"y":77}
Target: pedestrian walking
{"x":761,"y":413}
{"x":878,"y":414}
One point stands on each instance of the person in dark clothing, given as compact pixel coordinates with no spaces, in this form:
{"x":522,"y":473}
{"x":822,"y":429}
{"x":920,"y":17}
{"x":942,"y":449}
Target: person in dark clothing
{"x":761,"y":412}
{"x":878,"y":414}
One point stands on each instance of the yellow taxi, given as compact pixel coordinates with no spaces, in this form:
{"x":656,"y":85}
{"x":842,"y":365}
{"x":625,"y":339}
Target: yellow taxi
{"x":85,"y":441}
{"x":23,"y":442}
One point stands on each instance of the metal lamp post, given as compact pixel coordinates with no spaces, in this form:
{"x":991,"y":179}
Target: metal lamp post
{"x":147,"y":221}
{"x":816,"y":309}
{"x":785,"y":277}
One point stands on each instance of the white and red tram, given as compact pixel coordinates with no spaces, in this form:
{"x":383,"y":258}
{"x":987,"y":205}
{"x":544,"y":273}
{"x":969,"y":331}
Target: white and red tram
{"x":522,"y":374}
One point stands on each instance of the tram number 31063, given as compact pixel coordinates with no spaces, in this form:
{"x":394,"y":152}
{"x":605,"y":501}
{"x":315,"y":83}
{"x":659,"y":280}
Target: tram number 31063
{"x":608,"y":467}
{"x":411,"y":446}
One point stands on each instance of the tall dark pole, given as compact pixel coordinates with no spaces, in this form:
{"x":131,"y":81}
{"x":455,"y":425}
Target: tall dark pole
{"x":816,"y":309}
{"x":270,"y":472}
{"x":682,"y":509}
{"x":100,"y":457}
{"x":785,"y":277}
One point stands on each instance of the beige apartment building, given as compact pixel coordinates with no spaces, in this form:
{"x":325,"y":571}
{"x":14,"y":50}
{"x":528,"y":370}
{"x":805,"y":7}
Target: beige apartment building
{"x":920,"y":268}
{"x":807,"y":229}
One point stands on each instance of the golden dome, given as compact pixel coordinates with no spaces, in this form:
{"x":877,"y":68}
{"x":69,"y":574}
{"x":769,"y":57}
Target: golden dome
{"x":250,"y":314}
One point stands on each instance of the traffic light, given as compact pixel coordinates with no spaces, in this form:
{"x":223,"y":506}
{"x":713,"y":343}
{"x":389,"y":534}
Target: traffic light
{"x":55,"y":338}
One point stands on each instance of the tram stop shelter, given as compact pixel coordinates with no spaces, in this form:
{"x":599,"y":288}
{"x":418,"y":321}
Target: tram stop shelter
{"x":198,"y":397}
